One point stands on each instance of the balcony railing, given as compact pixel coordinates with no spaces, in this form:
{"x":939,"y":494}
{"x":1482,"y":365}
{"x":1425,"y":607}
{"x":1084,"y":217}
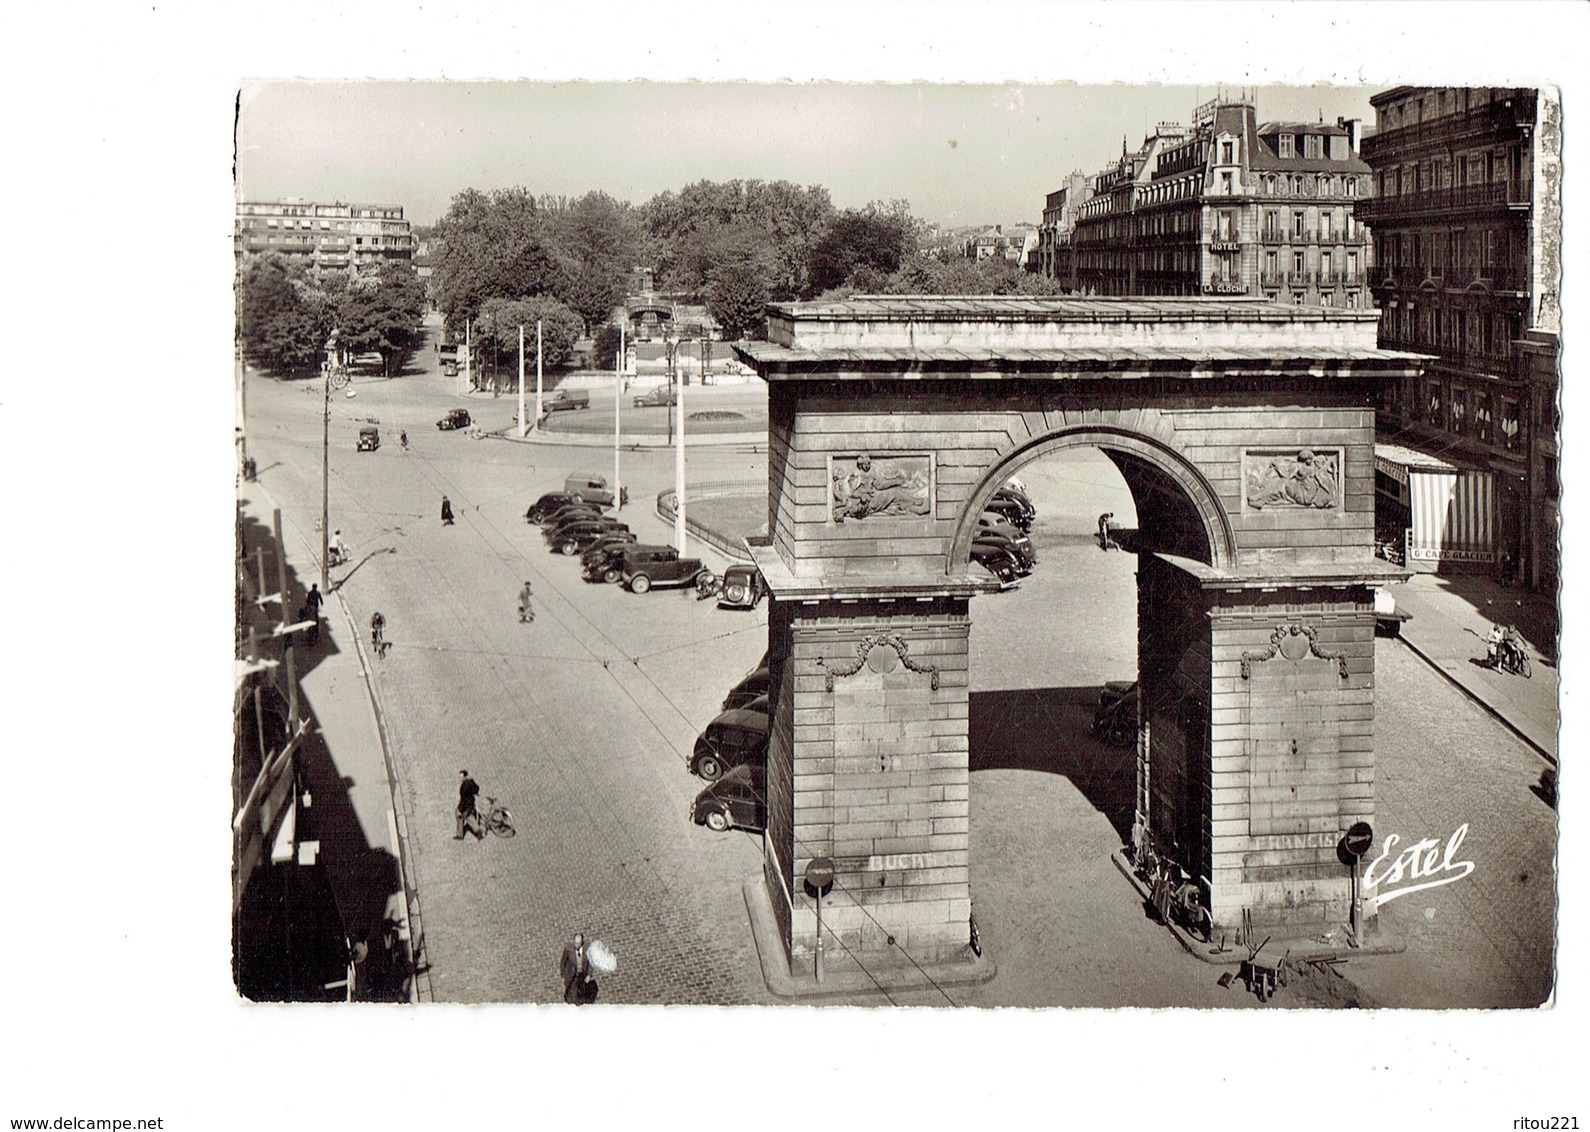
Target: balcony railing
{"x":1493,"y":194}
{"x":1513,"y":112}
{"x":1273,"y":236}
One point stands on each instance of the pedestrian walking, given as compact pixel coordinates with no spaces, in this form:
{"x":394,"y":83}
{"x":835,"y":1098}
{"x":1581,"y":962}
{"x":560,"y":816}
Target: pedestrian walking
{"x":526,"y":614}
{"x":1493,"y":646}
{"x":310,"y":611}
{"x":467,"y":816}
{"x":579,"y":984}
{"x":378,"y":634}
{"x":403,"y":439}
{"x":447,"y":512}
{"x":1105,"y":539}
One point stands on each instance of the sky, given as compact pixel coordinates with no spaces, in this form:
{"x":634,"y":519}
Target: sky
{"x":960,"y":154}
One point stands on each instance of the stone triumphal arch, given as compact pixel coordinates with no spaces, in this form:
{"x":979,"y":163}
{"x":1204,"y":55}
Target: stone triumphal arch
{"x":1245,"y":433}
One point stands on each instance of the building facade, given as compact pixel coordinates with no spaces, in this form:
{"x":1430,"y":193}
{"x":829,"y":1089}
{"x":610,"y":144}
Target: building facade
{"x":1055,"y":258}
{"x":1466,"y":215}
{"x":1228,"y":206}
{"x":328,"y":237}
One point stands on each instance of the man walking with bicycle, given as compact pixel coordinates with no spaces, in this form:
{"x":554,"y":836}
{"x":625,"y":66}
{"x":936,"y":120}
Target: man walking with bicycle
{"x":467,"y":816}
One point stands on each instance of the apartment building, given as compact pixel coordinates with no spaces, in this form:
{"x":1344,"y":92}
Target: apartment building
{"x":1227,"y":206}
{"x":1467,"y":216}
{"x":326,"y":236}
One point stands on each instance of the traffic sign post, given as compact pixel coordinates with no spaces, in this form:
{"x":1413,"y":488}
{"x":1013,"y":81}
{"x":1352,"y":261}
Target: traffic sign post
{"x":819,"y":878}
{"x":1354,"y":844}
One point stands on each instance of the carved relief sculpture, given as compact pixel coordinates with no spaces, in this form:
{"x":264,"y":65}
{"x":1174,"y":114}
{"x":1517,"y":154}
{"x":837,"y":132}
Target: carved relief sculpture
{"x":1275,"y":481}
{"x":863,"y":487}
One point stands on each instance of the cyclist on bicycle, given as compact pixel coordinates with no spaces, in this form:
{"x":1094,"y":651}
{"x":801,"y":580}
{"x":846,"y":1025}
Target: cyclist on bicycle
{"x":377,"y":633}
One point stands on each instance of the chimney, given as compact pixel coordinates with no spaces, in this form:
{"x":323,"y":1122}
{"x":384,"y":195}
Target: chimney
{"x":1355,"y":132}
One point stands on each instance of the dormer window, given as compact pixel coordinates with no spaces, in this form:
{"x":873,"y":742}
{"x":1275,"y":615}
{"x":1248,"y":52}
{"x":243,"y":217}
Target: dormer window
{"x":1285,"y":143}
{"x":1228,"y":153}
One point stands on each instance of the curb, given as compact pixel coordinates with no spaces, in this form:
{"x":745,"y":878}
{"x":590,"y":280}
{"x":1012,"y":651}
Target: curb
{"x":847,"y":983}
{"x":1490,"y":709}
{"x":756,"y":441}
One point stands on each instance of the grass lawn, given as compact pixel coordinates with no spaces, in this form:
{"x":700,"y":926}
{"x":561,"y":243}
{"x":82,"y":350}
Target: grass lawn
{"x":733,"y":517}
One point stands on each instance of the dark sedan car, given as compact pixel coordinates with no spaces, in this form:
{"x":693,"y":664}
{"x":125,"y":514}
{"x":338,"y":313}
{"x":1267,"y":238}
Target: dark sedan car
{"x":543,"y":508}
{"x":743,"y":588}
{"x":574,"y":538}
{"x":603,"y":560}
{"x":1009,"y":511}
{"x":736,"y":737}
{"x":453,"y":419}
{"x":751,"y":685}
{"x":998,"y":562}
{"x":569,"y":513}
{"x":738,"y":799}
{"x":1019,"y":549}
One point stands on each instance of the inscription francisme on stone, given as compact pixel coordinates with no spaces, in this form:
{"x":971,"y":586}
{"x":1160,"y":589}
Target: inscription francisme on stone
{"x":1300,"y":479}
{"x":898,"y":485}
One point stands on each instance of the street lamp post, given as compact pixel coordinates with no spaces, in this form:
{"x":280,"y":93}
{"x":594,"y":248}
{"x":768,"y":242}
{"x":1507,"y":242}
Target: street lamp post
{"x":325,"y":469}
{"x":679,"y":459}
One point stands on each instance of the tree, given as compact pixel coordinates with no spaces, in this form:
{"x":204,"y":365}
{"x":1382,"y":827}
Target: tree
{"x":497,"y":329}
{"x":284,"y":316}
{"x":493,"y":247}
{"x":596,"y":240}
{"x":605,"y":344}
{"x":878,"y":237}
{"x":382,"y":311}
{"x":737,"y":298}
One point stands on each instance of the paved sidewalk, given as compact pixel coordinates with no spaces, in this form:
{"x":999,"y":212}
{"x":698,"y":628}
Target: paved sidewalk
{"x":343,"y":763}
{"x":1451,"y":616}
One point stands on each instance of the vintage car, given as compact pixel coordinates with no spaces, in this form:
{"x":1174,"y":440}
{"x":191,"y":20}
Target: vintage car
{"x":1019,"y":548}
{"x":570,"y":512}
{"x":998,"y":561}
{"x":546,"y":506}
{"x":453,"y":419}
{"x":592,"y":487}
{"x":369,"y":438}
{"x":1018,"y":497}
{"x":645,"y":567}
{"x":566,"y":399}
{"x":738,"y":799}
{"x":573,"y":538}
{"x":736,"y":737}
{"x":603,"y":560}
{"x":743,"y":588}
{"x":1009,"y":511}
{"x":661,"y":395}
{"x":751,"y":685}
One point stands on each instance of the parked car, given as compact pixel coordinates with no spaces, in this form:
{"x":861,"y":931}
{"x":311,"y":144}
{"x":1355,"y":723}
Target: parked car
{"x":591,"y":487}
{"x":1010,"y":511}
{"x":736,"y":737}
{"x":1115,"y":720}
{"x":752,"y":684}
{"x":1019,"y":498}
{"x":453,"y":419}
{"x":738,"y":799}
{"x":662,"y":395}
{"x":566,"y":399}
{"x":1019,"y":549}
{"x":369,"y":438}
{"x":999,"y":562}
{"x":644,"y":568}
{"x":547,"y":506}
{"x":574,"y":538}
{"x":603,"y":560}
{"x":743,"y":588}
{"x":570,"y":512}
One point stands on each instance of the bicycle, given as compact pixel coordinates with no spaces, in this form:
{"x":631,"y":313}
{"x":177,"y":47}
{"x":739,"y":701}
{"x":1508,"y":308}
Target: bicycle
{"x":378,"y":640}
{"x":708,"y":585}
{"x":495,"y":819}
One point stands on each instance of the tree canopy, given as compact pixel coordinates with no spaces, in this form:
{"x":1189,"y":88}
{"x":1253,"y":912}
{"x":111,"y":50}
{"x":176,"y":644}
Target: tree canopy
{"x":284,"y":316}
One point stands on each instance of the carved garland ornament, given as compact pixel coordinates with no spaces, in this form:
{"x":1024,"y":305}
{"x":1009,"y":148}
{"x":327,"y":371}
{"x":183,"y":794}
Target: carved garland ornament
{"x":1294,"y":642}
{"x":870,"y":654}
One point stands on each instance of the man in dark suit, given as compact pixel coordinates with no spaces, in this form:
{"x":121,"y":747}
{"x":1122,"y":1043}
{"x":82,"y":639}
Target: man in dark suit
{"x":579,"y":986}
{"x":467,"y":817}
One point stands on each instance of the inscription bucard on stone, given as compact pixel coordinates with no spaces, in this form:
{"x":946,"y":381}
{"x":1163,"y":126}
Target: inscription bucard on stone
{"x":863,"y":487}
{"x":1292,"y":479}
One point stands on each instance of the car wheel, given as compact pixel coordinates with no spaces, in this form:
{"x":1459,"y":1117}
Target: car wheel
{"x":718,"y":821}
{"x":709,"y":768}
{"x":612,"y":575}
{"x":639,"y":584}
{"x":571,"y":548}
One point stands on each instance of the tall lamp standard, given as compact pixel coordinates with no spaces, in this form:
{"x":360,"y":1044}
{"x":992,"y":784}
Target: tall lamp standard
{"x":325,"y":467}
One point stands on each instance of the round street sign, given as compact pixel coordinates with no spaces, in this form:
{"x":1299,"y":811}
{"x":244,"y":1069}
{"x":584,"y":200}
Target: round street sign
{"x":1359,"y":838}
{"x":820,"y":872}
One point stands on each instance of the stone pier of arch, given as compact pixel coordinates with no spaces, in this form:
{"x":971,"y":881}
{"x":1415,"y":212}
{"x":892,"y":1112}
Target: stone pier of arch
{"x":1244,"y":431}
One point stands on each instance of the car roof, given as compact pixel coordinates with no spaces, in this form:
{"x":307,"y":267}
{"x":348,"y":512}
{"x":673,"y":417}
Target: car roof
{"x":743,"y":718}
